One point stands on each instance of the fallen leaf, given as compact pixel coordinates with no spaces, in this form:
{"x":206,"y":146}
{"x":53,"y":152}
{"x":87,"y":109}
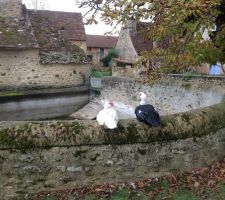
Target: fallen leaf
{"x":197,"y":184}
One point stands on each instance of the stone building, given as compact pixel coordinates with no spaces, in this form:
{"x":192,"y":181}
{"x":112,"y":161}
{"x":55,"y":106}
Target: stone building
{"x":99,"y":45}
{"x":41,"y":48}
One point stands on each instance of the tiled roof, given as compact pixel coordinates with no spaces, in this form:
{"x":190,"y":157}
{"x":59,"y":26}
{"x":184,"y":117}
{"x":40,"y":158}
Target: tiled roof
{"x":100,"y":41}
{"x":51,"y":30}
{"x":16,"y":33}
{"x":55,"y":30}
{"x":140,"y":42}
{"x":54,"y":33}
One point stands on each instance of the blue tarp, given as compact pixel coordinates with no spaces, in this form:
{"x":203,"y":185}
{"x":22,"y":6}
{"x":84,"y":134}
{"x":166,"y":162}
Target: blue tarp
{"x":214,"y":70}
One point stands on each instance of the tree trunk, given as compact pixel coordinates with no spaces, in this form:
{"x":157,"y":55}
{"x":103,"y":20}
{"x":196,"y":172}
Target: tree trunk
{"x":223,"y":68}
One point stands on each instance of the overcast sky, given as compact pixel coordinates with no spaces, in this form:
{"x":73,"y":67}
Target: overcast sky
{"x":70,"y":6}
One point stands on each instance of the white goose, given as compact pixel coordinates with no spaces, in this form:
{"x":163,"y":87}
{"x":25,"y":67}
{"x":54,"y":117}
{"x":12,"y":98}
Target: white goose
{"x":108,"y":116}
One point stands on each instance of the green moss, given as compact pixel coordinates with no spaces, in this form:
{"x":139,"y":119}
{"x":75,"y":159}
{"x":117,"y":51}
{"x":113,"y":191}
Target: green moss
{"x":17,"y":137}
{"x":2,"y":19}
{"x":184,"y":194}
{"x":77,"y":127}
{"x":186,"y":85}
{"x":191,"y":124}
{"x":3,"y":94}
{"x":121,"y":194}
{"x":95,"y":157}
{"x":122,"y":135}
{"x":73,"y":131}
{"x":79,"y":153}
{"x":132,"y":134}
{"x":10,"y":35}
{"x":142,"y":151}
{"x":5,"y":138}
{"x":187,"y":76}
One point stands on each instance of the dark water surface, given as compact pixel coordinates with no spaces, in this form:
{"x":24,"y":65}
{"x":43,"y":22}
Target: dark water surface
{"x":41,"y":107}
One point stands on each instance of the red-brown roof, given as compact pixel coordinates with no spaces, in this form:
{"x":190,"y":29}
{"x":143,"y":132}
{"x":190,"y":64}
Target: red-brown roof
{"x":54,"y":29}
{"x":100,"y":41}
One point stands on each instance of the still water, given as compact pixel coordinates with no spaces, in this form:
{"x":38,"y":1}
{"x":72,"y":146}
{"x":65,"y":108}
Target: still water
{"x":39,"y":108}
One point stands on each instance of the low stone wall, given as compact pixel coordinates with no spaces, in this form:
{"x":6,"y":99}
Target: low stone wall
{"x":42,"y":155}
{"x":169,"y":95}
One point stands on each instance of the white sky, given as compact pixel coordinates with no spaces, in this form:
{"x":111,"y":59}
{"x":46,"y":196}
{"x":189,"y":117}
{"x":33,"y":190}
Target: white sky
{"x":70,"y":6}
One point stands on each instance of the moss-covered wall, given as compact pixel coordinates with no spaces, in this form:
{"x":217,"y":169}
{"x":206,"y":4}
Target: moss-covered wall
{"x":35,"y":156}
{"x":66,"y":133}
{"x":35,"y":170}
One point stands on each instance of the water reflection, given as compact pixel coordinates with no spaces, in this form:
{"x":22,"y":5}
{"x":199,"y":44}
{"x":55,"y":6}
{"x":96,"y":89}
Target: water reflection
{"x":41,"y":107}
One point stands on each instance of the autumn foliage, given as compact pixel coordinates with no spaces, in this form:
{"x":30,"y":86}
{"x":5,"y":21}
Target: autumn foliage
{"x":194,"y":30}
{"x":204,"y":183}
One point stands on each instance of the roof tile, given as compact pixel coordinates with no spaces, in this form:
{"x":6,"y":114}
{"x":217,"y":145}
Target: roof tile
{"x":100,"y":41}
{"x":16,"y":33}
{"x":55,"y":30}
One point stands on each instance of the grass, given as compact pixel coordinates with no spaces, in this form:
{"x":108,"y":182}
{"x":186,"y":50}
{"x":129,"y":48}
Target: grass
{"x":5,"y":94}
{"x":183,"y":195}
{"x":164,"y":193}
{"x":207,"y":183}
{"x":100,"y":74}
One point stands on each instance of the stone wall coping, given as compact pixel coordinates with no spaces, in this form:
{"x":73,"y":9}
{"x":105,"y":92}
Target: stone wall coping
{"x":196,"y":76}
{"x":23,"y":94}
{"x":42,"y":90}
{"x":204,"y":83}
{"x":45,"y":134}
{"x":167,"y":78}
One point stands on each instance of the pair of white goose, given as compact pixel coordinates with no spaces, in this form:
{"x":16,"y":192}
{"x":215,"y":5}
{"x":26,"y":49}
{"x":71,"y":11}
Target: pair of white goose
{"x":144,"y":112}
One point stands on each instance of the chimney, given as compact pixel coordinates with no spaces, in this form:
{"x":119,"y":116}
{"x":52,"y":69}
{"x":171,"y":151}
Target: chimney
{"x":131,"y":24}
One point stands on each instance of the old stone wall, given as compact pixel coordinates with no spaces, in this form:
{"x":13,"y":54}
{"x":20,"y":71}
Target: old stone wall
{"x":127,"y":70}
{"x":35,"y":156}
{"x":35,"y":170}
{"x":81,"y":44}
{"x":21,"y":69}
{"x":10,"y":8}
{"x":169,"y":95}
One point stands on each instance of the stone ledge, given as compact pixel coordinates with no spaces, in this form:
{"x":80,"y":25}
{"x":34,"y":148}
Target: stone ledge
{"x":23,"y":94}
{"x":45,"y":134}
{"x":216,"y":77}
{"x":193,"y":82}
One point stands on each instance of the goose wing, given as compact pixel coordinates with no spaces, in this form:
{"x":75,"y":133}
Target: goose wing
{"x":101,"y":117}
{"x":111,"y":118}
{"x":147,"y":114}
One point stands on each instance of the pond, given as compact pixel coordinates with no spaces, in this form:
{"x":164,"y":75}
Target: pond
{"x":39,"y":106}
